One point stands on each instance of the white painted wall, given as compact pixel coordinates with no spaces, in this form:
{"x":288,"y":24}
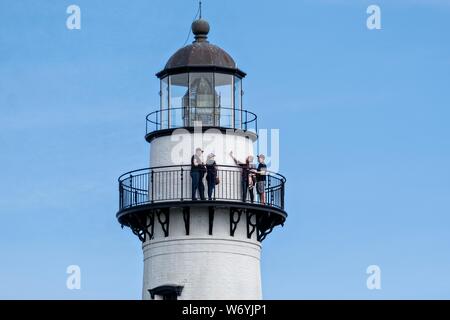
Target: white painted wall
{"x":209,"y":267}
{"x":178,"y":149}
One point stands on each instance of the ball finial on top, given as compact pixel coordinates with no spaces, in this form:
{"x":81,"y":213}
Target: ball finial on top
{"x":200,"y":28}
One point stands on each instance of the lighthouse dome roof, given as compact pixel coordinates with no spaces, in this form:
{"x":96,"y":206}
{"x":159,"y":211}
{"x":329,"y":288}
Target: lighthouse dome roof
{"x":200,"y":53}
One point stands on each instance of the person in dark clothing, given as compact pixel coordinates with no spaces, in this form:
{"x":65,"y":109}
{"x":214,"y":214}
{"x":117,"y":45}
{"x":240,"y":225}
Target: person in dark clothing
{"x":261,"y":179}
{"x":246,"y":176}
{"x":211,"y":174}
{"x":197,"y":172}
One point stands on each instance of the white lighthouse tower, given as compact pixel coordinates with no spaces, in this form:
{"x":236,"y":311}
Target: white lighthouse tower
{"x":195,"y":246}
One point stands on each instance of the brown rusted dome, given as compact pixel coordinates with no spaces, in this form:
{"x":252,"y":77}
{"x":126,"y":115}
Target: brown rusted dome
{"x":200,"y":54}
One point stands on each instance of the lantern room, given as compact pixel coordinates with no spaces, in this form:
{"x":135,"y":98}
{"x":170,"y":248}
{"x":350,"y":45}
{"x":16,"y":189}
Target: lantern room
{"x":201,"y":86}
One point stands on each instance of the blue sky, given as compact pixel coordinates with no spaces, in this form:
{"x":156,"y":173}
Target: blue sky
{"x":363,"y":118}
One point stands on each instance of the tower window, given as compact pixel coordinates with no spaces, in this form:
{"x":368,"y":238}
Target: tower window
{"x":166,"y":292}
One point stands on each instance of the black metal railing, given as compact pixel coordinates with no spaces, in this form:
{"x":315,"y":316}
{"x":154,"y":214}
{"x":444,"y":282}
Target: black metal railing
{"x":174,"y":183}
{"x":205,"y":116}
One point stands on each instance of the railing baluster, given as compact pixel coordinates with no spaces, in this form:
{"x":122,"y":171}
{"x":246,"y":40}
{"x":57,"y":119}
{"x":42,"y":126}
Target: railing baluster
{"x":271,"y":190}
{"x":152,"y":187}
{"x":120,"y":196}
{"x":182,"y":180}
{"x":131,"y":190}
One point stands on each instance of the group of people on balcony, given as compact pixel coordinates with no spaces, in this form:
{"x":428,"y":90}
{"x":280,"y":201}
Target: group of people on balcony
{"x":198,"y":171}
{"x":252,"y":177}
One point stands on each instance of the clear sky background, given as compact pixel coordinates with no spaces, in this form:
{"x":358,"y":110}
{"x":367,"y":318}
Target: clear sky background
{"x":364,"y":129}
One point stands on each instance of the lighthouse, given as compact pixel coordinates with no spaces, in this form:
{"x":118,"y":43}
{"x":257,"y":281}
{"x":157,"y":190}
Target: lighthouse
{"x":204,"y":205}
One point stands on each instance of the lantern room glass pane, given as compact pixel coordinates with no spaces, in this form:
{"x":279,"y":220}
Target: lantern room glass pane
{"x":224,"y":93}
{"x":201,"y":101}
{"x":179,"y":90}
{"x":164,"y":105}
{"x":238,"y":103}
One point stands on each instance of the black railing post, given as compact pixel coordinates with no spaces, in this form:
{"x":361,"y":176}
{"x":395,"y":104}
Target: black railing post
{"x":120,"y":195}
{"x":245,"y":123}
{"x":282,"y":194}
{"x":270,"y":190}
{"x":182,"y":179}
{"x":151,"y":185}
{"x":130,"y":184}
